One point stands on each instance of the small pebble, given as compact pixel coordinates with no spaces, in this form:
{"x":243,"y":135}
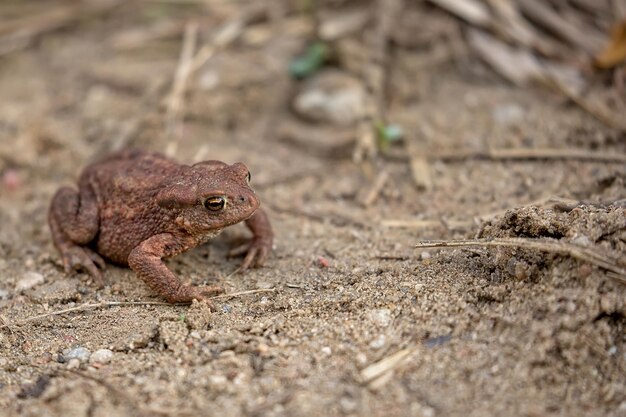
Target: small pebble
{"x":73,"y":364}
{"x":11,"y":180}
{"x":327,"y":351}
{"x":101,"y":356}
{"x":331,"y":97}
{"x":379,"y":342}
{"x":322,"y":262}
{"x":361,"y":358}
{"x":381,"y":317}
{"x":80,"y":353}
{"x":29,"y":280}
{"x":348,"y":405}
{"x":508,"y":114}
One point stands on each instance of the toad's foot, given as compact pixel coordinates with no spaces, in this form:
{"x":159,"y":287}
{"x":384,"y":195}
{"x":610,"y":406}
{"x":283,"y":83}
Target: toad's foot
{"x":188,"y":293}
{"x":256,"y":252}
{"x":259,"y":248}
{"x":77,"y":258}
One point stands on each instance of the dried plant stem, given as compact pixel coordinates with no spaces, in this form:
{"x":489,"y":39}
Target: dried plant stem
{"x":175,"y":101}
{"x":529,"y":153}
{"x":377,"y":188}
{"x":551,"y":246}
{"x":103,"y":304}
{"x":190,"y":62}
{"x":375,"y":78}
{"x":19,"y":33}
{"x":378,"y":373}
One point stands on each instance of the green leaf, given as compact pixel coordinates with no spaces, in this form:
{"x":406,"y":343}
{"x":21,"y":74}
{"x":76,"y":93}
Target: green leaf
{"x":312,"y":60}
{"x":387,"y":134}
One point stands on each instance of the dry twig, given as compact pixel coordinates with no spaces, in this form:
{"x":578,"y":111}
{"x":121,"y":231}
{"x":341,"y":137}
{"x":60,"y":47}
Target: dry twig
{"x":190,"y":63}
{"x":377,"y":188}
{"x":529,"y":154}
{"x":103,"y":304}
{"x":378,"y":373}
{"x":544,"y":245}
{"x":175,"y":101}
{"x":375,"y":77}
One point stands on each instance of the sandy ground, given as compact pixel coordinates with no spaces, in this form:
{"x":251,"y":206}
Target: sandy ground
{"x":478,"y":332}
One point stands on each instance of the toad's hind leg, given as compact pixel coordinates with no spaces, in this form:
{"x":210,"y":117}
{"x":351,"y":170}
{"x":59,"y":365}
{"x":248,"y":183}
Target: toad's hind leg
{"x":74,"y":222}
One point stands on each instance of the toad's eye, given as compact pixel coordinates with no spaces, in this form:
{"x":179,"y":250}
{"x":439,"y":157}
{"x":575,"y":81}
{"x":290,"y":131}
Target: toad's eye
{"x":249,"y":177}
{"x":214,"y":203}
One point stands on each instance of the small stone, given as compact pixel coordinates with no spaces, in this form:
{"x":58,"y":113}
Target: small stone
{"x":217,"y":383}
{"x":508,"y":114}
{"x":379,"y":342}
{"x":347,"y":404}
{"x":173,"y":335}
{"x":361,"y":358}
{"x":582,"y":240}
{"x":381,"y":317}
{"x":78,"y":352}
{"x":262,"y":349}
{"x":73,"y":364}
{"x":333,"y":97}
{"x":101,"y":356}
{"x":4,"y":294}
{"x":327,"y":351}
{"x":29,"y":280}
{"x":198,"y":316}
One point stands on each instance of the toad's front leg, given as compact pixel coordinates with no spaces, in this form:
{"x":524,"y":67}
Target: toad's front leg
{"x":146,"y":261}
{"x":258,"y":249}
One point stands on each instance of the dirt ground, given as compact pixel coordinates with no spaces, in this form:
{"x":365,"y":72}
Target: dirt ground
{"x":471,"y":331}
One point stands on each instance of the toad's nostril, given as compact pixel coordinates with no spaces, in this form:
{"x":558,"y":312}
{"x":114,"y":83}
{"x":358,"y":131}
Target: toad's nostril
{"x":242,"y":199}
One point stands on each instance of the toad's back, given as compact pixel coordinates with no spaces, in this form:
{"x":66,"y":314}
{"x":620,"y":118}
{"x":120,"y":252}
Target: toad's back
{"x":125,"y":186}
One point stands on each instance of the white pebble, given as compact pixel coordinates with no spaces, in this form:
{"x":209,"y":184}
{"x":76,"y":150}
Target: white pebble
{"x":101,"y":356}
{"x":29,"y":280}
{"x":381,"y":317}
{"x":379,"y":342}
{"x":79,"y":352}
{"x":326,"y":351}
{"x":73,"y":364}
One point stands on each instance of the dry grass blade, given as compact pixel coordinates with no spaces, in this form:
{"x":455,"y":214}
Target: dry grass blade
{"x":189,"y":63}
{"x":550,"y":246}
{"x":85,"y":307}
{"x":176,"y":99}
{"x":471,"y":11}
{"x":19,"y":33}
{"x":93,"y":306}
{"x":518,"y":66}
{"x":377,"y":188}
{"x":227,"y":34}
{"x":376,"y":374}
{"x":419,"y":164}
{"x":585,"y":38}
{"x":600,"y":112}
{"x":531,"y":153}
{"x":375,"y":77}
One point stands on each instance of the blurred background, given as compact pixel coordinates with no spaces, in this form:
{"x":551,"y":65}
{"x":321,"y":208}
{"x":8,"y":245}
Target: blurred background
{"x":368,"y":126}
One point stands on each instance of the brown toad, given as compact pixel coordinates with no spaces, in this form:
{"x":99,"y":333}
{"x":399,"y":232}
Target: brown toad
{"x":135,"y":208}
